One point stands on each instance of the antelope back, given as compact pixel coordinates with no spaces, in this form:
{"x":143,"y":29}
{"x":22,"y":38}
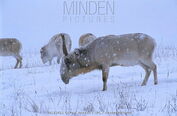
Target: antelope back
{"x":86,"y":39}
{"x":9,"y":46}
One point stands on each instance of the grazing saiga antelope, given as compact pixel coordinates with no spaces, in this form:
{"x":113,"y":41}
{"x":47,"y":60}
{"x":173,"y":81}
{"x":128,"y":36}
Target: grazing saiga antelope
{"x":112,"y":50}
{"x":86,"y":39}
{"x":54,"y":48}
{"x":11,"y":47}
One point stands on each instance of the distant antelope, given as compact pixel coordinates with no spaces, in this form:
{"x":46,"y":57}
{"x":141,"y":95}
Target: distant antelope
{"x":112,"y":50}
{"x":86,"y":39}
{"x":54,"y":48}
{"x":11,"y":47}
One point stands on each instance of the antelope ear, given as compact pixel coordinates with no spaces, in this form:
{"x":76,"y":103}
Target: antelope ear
{"x":83,"y":51}
{"x":77,"y":52}
{"x":42,"y":49}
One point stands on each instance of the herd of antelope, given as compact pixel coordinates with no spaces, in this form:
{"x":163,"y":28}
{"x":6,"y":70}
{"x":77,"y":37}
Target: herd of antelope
{"x":93,"y":53}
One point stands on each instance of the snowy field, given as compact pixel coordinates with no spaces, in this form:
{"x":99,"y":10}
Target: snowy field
{"x":37,"y":89}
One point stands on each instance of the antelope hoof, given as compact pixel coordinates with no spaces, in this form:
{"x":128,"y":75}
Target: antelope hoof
{"x":104,"y":89}
{"x":143,"y":84}
{"x":155,"y":83}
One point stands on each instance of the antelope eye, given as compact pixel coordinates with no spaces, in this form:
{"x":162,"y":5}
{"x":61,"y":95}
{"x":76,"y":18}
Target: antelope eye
{"x":76,"y":53}
{"x":67,"y":61}
{"x":44,"y":53}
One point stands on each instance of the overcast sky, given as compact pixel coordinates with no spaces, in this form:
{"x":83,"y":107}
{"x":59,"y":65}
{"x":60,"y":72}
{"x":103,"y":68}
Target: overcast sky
{"x":34,"y":22}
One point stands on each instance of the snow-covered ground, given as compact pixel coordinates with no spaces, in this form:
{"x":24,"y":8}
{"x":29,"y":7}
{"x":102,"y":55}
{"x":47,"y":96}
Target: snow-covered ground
{"x":37,"y":90}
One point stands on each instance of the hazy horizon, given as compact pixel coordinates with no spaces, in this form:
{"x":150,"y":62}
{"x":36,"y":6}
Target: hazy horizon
{"x":35,"y":22}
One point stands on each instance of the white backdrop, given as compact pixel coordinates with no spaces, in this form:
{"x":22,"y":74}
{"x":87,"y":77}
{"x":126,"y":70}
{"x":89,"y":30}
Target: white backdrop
{"x":33,"y":22}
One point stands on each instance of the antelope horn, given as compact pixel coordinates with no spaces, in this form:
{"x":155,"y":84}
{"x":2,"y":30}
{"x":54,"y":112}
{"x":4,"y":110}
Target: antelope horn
{"x":64,"y":45}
